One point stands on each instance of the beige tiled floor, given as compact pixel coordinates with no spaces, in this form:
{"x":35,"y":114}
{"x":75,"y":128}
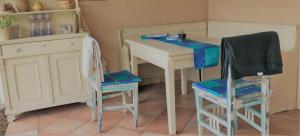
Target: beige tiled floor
{"x":74,"y":119}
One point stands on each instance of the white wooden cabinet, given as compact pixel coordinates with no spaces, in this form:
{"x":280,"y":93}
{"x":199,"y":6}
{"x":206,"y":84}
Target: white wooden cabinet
{"x":28,"y":81}
{"x":42,"y":72}
{"x":68,"y":84}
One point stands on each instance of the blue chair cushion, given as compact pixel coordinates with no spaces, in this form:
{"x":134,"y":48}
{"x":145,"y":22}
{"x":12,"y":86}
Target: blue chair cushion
{"x":121,"y":77}
{"x":218,"y":88}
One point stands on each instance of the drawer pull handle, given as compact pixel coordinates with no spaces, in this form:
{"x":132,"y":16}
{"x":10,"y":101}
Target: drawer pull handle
{"x":18,"y":50}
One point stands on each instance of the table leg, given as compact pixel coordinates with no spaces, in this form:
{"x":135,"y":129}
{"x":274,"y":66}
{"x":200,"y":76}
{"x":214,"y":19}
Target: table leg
{"x":170,"y":92}
{"x":183,"y":81}
{"x":134,"y":69}
{"x":134,"y":65}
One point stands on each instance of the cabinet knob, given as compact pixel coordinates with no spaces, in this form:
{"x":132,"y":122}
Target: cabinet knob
{"x":71,"y":44}
{"x":18,"y":50}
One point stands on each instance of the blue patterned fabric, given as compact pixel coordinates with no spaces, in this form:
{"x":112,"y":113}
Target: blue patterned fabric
{"x":218,"y":88}
{"x":205,"y":55}
{"x":121,"y":77}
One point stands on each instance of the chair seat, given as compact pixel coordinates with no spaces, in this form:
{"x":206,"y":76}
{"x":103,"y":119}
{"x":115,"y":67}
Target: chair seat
{"x":121,"y":77}
{"x":218,"y":88}
{"x":117,"y":78}
{"x":119,"y":81}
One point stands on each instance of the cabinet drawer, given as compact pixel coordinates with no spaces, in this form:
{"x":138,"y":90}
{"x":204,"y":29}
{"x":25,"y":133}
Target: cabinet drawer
{"x":24,"y":49}
{"x":64,"y":45}
{"x":37,"y":48}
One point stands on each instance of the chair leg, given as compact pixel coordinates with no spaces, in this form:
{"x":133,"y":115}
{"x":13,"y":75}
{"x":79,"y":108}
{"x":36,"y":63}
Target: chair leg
{"x":265,"y":107}
{"x":264,"y":119}
{"x":124,"y":99}
{"x":100,"y":110}
{"x":199,"y":105}
{"x":94,"y":104}
{"x":236,"y":122}
{"x":231,"y":113}
{"x":136,"y":107}
{"x":230,"y":124}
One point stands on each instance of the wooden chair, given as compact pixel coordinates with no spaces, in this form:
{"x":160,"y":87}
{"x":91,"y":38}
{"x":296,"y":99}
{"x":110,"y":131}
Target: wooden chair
{"x":228,"y":98}
{"x":236,"y":96}
{"x":123,"y":82}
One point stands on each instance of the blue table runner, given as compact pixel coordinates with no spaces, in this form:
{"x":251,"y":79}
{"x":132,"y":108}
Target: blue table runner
{"x":205,"y":54}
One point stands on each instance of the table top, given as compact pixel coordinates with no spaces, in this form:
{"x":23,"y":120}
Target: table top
{"x":169,"y":49}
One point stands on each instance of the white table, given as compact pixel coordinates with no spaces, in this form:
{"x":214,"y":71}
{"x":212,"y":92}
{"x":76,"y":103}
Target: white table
{"x":170,"y":58}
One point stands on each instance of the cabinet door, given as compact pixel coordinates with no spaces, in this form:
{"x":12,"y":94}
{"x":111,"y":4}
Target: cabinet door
{"x":29,"y":82}
{"x":68,"y":83}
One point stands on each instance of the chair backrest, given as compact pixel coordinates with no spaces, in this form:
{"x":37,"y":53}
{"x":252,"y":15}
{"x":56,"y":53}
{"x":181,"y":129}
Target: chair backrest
{"x":249,"y":55}
{"x":241,"y":48}
{"x":232,"y":84}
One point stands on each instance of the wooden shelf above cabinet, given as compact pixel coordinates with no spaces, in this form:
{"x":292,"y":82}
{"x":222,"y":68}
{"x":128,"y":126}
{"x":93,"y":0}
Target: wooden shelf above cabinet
{"x":39,"y":12}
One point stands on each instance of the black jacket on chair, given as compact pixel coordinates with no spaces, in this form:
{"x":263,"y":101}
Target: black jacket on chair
{"x":251,"y":54}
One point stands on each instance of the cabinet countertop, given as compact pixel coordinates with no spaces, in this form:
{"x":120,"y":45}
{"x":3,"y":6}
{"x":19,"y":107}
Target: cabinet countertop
{"x":43,"y":38}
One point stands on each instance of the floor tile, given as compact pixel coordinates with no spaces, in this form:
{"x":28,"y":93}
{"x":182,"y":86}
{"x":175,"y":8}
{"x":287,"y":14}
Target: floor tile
{"x":61,"y":127}
{"x":30,"y":133}
{"x":158,"y":99}
{"x":25,"y":123}
{"x":146,"y":133}
{"x":189,"y":96}
{"x":192,"y":130}
{"x":110,"y":119}
{"x":295,"y":114}
{"x":87,"y":129}
{"x":143,"y":122}
{"x":160,"y":126}
{"x":116,"y":131}
{"x":181,"y":113}
{"x":60,"y":111}
{"x":247,"y":132}
{"x":185,"y":103}
{"x":151,"y":109}
{"x":113,"y":117}
{"x":49,"y":134}
{"x":80,"y":114}
{"x":244,"y":129}
{"x":45,"y":120}
{"x":289,"y":115}
{"x":113,"y":101}
{"x":186,"y":98}
{"x":147,"y":91}
{"x":284,"y":127}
